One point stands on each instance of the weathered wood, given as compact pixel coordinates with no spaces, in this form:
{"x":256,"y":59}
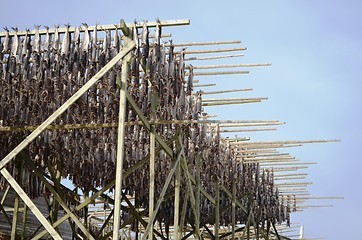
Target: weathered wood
{"x":163,"y":23}
{"x":208,"y":73}
{"x":213,"y":57}
{"x":204,"y":85}
{"x":176,"y":220}
{"x":120,"y":142}
{"x":247,"y":130}
{"x":185,"y":44}
{"x":208,"y":100}
{"x":217,"y":210}
{"x":162,"y":194}
{"x":15,"y":218}
{"x":230,"y":65}
{"x":209,"y":104}
{"x":226,"y":91}
{"x":212,"y":50}
{"x":30,"y":204}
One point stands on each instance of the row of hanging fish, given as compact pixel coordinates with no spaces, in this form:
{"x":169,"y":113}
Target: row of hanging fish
{"x":39,"y":73}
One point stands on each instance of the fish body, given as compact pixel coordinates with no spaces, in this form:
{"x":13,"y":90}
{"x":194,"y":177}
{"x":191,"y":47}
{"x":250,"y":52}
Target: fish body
{"x":76,"y":38}
{"x":47,"y":39}
{"x":36,"y":45}
{"x":56,"y":39}
{"x":15,"y":43}
{"x":116,"y":41}
{"x":86,"y":40}
{"x":66,"y":41}
{"x":94,"y":44}
{"x":158,"y":40}
{"x":145,"y":45}
{"x":6,"y":44}
{"x":26,"y":44}
{"x":182,"y":64}
{"x":190,"y":81}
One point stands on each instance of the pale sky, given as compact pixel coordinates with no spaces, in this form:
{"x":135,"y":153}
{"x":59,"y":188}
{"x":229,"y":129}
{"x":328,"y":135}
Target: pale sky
{"x":314,"y":83}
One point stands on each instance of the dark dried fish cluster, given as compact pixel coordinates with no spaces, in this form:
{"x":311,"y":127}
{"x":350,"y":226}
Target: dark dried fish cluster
{"x":40,"y":72}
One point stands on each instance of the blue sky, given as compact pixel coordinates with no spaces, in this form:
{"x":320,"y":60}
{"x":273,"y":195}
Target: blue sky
{"x":314,"y":83}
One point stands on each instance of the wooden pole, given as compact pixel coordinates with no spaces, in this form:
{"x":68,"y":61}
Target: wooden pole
{"x":176,"y":220}
{"x":229,"y":103}
{"x":162,"y":195}
{"x":185,"y":44}
{"x":120,"y":143}
{"x":218,"y":73}
{"x":212,"y":50}
{"x":233,"y":207}
{"x":227,"y":91}
{"x":250,"y":124}
{"x":247,"y":130}
{"x":25,"y":216}
{"x":209,"y":100}
{"x":223,"y":123}
{"x":198,"y":159}
{"x":230,"y":65}
{"x":15,"y":217}
{"x":152,"y":161}
{"x":163,"y":23}
{"x":217,"y":211}
{"x":213,"y":57}
{"x":286,"y":163}
{"x":30,"y":204}
{"x":204,"y":85}
{"x":288,"y":142}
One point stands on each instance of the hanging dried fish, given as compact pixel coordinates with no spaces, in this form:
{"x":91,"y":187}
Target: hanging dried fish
{"x":26,"y":48}
{"x":6,"y":44}
{"x":15,"y":43}
{"x":86,"y":41}
{"x":116,"y":42}
{"x":94,"y":46}
{"x":158,"y":40}
{"x":37,"y":40}
{"x":107,"y":40}
{"x":66,"y":42}
{"x":76,"y":38}
{"x":145,"y":45}
{"x":47,"y":40}
{"x":182,"y":64}
{"x":56,"y":39}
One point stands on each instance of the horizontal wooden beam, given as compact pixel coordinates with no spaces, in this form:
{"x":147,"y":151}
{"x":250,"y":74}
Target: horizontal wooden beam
{"x":212,"y":57}
{"x":185,"y":44}
{"x":228,"y":65}
{"x":212,"y":50}
{"x":163,"y":23}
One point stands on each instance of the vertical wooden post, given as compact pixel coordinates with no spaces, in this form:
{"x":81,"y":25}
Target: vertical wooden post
{"x":162,"y":195}
{"x":86,"y":197}
{"x":18,"y":165}
{"x":151,"y":200}
{"x":183,"y":213}
{"x":198,"y":190}
{"x":176,"y":219}
{"x":233,"y":217}
{"x":217,"y":210}
{"x":104,"y":217}
{"x":15,"y":217}
{"x":25,"y":215}
{"x":120,"y":143}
